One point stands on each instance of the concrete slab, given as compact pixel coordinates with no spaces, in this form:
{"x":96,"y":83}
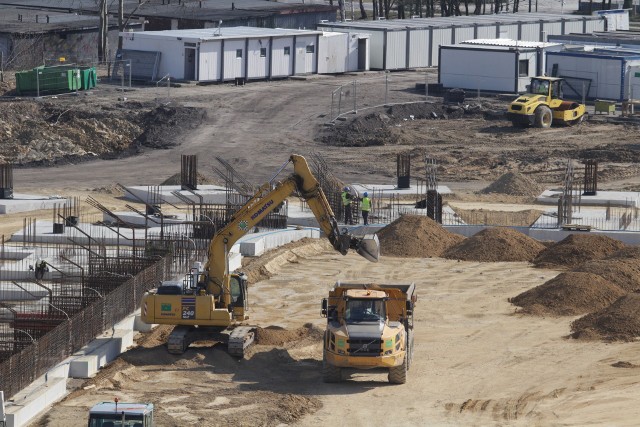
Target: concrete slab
{"x":256,"y":244}
{"x":210,"y":194}
{"x":393,"y":189}
{"x":28,"y":403}
{"x":601,"y":219}
{"x":29,"y":202}
{"x":603,"y":198}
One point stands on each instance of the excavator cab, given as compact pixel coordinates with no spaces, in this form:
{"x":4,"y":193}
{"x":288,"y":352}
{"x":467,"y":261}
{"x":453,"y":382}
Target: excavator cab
{"x":239,"y":294}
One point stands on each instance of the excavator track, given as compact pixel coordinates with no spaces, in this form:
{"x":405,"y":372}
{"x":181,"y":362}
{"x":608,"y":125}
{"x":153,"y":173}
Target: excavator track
{"x":178,"y":340}
{"x":240,"y":338}
{"x":237,"y":339}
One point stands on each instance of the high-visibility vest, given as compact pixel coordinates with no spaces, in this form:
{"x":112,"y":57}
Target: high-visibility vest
{"x":345,"y":200}
{"x":366,"y":204}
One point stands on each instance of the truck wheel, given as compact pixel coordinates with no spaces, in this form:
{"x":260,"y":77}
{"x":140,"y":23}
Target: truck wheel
{"x":398,"y":374}
{"x":409,"y":348}
{"x":330,"y":373}
{"x":543,"y":117}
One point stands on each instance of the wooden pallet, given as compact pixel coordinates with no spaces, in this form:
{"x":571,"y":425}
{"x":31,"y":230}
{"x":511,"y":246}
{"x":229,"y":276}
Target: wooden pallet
{"x":576,"y":227}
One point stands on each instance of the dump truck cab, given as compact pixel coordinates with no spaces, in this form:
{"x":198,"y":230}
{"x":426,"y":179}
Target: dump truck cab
{"x":120,"y":414}
{"x":369,"y":326}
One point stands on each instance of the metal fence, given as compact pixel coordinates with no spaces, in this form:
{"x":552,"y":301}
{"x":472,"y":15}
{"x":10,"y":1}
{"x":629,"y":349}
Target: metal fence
{"x":390,"y":89}
{"x":31,"y":357}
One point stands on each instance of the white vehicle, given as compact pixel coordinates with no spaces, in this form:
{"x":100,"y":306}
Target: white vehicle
{"x":116,"y":414}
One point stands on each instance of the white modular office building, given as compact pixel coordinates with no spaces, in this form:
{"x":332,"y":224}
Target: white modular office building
{"x":245,"y":53}
{"x":414,"y":43}
{"x":499,"y":65}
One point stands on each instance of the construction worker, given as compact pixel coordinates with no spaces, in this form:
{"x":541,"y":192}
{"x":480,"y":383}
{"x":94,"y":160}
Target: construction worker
{"x":365,"y":206}
{"x":346,"y":205}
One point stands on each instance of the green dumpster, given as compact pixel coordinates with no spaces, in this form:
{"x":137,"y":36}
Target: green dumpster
{"x":88,"y":78}
{"x":47,"y":80}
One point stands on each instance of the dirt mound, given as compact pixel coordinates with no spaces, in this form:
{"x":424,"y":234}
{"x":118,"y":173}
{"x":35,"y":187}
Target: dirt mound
{"x":385,"y":127}
{"x":495,"y":245}
{"x":576,"y":249}
{"x":177,"y":180}
{"x":569,"y":294}
{"x":277,"y":336}
{"x":45,"y":133}
{"x":624,"y":272}
{"x":417,"y":237}
{"x":163,"y":125}
{"x":618,"y":322}
{"x":370,"y":130}
{"x":629,"y":252}
{"x":514,"y":184}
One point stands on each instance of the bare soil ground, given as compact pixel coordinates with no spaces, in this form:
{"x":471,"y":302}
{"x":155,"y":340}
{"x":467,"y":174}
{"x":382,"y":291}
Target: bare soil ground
{"x":476,"y":362}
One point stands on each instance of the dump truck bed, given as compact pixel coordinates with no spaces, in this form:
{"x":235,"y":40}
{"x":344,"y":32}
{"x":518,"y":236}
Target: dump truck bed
{"x":406,"y":288}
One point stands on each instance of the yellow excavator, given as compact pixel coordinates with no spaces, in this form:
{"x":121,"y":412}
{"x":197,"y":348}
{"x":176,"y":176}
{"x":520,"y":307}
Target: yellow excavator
{"x":543,"y":105}
{"x":212,"y":303}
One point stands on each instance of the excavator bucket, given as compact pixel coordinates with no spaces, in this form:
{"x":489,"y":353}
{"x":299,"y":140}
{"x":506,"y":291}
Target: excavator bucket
{"x":369,"y":247}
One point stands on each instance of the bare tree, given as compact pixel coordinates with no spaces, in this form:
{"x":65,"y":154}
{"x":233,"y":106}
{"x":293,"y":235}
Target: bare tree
{"x":363,"y":12}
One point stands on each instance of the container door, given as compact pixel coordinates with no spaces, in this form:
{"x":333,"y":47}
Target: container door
{"x":189,"y":63}
{"x":362,"y":54}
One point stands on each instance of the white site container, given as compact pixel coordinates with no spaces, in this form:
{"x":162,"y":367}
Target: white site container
{"x":499,"y":65}
{"x":342,"y":52}
{"x":224,"y":54}
{"x":412,"y":43}
{"x":603,"y":73}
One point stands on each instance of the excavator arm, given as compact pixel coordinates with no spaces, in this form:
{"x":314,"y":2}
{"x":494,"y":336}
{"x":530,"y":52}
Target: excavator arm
{"x":260,"y":205}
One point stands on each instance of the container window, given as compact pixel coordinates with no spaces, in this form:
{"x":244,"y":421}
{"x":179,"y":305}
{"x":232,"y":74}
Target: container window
{"x":238,"y":53}
{"x":287,"y":50}
{"x":310,"y":48}
{"x":523,"y":68}
{"x":263,"y":52}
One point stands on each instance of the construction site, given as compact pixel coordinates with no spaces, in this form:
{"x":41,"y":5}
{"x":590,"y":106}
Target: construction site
{"x":521,"y":244}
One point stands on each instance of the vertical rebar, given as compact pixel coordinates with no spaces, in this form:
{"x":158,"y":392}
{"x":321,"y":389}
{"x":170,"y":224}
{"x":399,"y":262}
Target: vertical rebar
{"x":386,"y":88}
{"x":355,"y":107}
{"x":340,"y":102}
{"x":426,"y":86}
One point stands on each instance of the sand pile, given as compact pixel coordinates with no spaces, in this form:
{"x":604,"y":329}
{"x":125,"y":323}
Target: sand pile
{"x":494,"y":245}
{"x":576,"y":249}
{"x":277,"y":336}
{"x":624,"y":272}
{"x":569,"y":294}
{"x":514,"y":184}
{"x":618,"y":322}
{"x":417,"y":237}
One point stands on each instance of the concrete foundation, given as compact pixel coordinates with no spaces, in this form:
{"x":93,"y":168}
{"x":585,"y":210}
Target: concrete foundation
{"x":603,"y":198}
{"x":209,"y":194}
{"x":29,"y":202}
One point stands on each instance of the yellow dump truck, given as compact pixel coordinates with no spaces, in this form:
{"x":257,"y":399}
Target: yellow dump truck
{"x":369,"y":326}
